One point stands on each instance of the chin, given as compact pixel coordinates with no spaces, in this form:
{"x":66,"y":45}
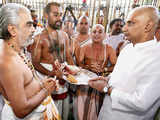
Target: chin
{"x":96,"y":41}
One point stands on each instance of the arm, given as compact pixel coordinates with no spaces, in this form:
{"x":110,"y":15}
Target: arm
{"x":112,"y":57}
{"x":36,"y":57}
{"x":80,"y":55}
{"x":146,"y":92}
{"x":69,"y":58}
{"x":118,"y":50}
{"x":15,"y":91}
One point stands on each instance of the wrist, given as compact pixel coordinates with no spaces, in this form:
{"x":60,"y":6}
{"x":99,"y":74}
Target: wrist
{"x":41,"y":84}
{"x":46,"y":91}
{"x":110,"y":90}
{"x":105,"y":89}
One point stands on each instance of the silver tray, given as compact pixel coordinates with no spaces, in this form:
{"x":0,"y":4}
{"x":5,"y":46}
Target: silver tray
{"x":82,"y":77}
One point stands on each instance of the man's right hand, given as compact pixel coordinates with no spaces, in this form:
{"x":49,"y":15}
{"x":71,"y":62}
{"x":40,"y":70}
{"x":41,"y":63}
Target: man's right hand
{"x":98,"y":83}
{"x":50,"y":85}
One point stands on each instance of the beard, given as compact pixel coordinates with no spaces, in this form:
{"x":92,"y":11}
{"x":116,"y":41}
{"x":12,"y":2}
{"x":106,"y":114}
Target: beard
{"x":83,"y":31}
{"x":117,"y":32}
{"x":28,"y":41}
{"x":56,"y":26}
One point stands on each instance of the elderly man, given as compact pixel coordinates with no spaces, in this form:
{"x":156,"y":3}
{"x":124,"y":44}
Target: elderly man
{"x":25,"y":96}
{"x":133,"y":87}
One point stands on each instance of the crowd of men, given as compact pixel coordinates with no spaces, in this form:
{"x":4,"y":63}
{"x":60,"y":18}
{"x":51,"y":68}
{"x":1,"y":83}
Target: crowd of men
{"x":126,"y":61}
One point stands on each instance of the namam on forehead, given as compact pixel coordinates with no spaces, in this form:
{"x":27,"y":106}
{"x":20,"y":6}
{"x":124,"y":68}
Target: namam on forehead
{"x":98,"y":26}
{"x":83,"y":17}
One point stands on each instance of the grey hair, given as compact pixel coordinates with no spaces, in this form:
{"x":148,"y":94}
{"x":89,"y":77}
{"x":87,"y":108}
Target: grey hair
{"x":9,"y":14}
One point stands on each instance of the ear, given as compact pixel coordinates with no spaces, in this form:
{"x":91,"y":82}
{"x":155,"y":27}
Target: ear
{"x":149,"y":27}
{"x":46,"y":15}
{"x":12,"y":30}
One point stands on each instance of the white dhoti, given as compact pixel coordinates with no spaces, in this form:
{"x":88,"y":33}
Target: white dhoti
{"x":46,"y":111}
{"x":61,"y":104}
{"x":1,"y":104}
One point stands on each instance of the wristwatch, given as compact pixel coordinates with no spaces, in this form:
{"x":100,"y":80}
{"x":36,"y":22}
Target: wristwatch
{"x":105,"y":89}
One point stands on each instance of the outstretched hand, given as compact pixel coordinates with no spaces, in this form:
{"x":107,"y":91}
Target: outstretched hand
{"x":98,"y":83}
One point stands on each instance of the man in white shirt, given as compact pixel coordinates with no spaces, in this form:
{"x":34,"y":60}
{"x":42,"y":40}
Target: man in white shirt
{"x":133,"y":87}
{"x":157,"y":35}
{"x":115,"y":36}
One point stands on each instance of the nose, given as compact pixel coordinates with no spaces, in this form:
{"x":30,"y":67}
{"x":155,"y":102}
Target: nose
{"x":59,"y":17}
{"x":33,"y":29}
{"x":124,"y":28}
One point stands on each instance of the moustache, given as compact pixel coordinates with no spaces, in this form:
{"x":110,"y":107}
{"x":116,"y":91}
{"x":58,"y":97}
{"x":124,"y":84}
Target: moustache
{"x":60,"y":22}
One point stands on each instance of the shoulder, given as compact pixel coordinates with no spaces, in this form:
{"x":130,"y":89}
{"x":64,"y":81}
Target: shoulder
{"x":87,"y":46}
{"x":10,"y":65}
{"x":74,"y":36}
{"x":63,"y":35}
{"x":109,"y":46}
{"x":41,"y":37}
{"x":61,"y":32}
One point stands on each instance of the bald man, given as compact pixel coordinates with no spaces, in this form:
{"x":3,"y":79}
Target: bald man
{"x":81,"y":38}
{"x":132,"y":91}
{"x":94,"y":57}
{"x":158,"y":32}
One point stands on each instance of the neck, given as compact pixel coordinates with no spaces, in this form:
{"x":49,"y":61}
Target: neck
{"x":83,"y":37}
{"x":144,"y":39}
{"x":97,"y":45}
{"x":114,"y":33}
{"x":14,"y":44}
{"x":83,"y":34}
{"x":50,"y":30}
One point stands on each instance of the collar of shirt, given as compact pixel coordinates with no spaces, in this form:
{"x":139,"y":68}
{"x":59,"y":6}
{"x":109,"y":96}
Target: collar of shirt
{"x":146,"y":44}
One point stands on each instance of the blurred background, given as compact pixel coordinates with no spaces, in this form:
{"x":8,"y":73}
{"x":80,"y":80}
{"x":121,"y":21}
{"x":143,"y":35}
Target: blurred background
{"x":104,"y":10}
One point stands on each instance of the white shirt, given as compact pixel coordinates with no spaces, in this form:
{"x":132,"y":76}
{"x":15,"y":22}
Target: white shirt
{"x":136,"y":83}
{"x":114,"y":40}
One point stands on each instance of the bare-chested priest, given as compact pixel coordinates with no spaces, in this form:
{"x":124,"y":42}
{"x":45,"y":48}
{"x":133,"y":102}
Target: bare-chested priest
{"x":95,"y":56}
{"x":25,"y":96}
{"x":81,"y":38}
{"x":50,"y":45}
